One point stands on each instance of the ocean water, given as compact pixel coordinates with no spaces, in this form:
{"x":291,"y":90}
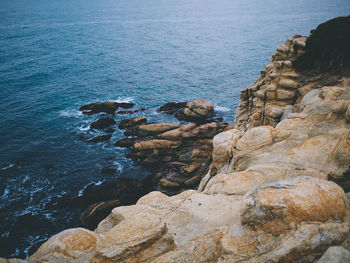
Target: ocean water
{"x":58,"y":55}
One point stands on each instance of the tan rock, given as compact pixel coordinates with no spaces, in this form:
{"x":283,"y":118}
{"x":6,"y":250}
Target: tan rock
{"x":195,"y":110}
{"x":282,"y":94}
{"x":256,"y":138}
{"x":155,"y":128}
{"x":281,"y":206}
{"x":288,"y":83}
{"x":156,"y":144}
{"x":130,"y":237}
{"x":72,"y":245}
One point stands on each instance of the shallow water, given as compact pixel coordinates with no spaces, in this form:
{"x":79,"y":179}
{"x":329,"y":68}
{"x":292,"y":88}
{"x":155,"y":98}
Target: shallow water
{"x":58,"y":55}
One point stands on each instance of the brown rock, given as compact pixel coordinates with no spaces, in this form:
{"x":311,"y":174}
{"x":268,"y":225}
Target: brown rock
{"x":72,"y":245}
{"x":280,"y":206}
{"x":172,"y":107}
{"x":156,"y":128}
{"x":127,"y":123}
{"x":195,"y":111}
{"x":102,"y":123}
{"x":155,"y":144}
{"x":96,"y":212}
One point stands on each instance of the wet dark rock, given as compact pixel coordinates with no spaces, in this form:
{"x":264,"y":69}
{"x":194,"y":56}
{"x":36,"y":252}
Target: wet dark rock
{"x":96,"y":212}
{"x":101,"y":138}
{"x":126,"y":105}
{"x":171,"y":107}
{"x":102,"y":123}
{"x":109,"y":107}
{"x":125,"y":191}
{"x":127,"y":123}
{"x":131,"y":111}
{"x":126,"y":142}
{"x":108,"y":170}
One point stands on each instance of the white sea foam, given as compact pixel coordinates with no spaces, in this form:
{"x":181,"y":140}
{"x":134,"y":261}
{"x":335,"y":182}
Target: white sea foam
{"x":119,"y":166}
{"x":83,"y":128}
{"x":71,"y":113}
{"x":6,"y":192}
{"x":81,"y":191}
{"x":222,"y":109}
{"x":126,"y":99}
{"x":8,"y":166}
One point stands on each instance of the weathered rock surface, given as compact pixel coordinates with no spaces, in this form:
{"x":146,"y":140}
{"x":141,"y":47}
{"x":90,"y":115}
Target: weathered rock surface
{"x":335,"y":255}
{"x":127,"y":123}
{"x":178,"y":155}
{"x":267,"y":196}
{"x":196,"y":110}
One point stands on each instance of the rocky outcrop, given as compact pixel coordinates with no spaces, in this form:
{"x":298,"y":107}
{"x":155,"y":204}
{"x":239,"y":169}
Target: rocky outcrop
{"x":102,"y":123}
{"x":196,"y":110}
{"x":335,"y":255}
{"x":109,"y":107}
{"x":178,"y":155}
{"x":267,"y":196}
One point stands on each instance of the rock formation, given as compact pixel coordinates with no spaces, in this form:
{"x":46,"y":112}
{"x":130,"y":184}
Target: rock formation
{"x":177,"y":155}
{"x":266,"y":198}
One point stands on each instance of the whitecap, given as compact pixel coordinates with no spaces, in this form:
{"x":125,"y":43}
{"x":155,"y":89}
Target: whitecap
{"x":71,"y":113}
{"x":120,"y":167}
{"x":81,"y":191}
{"x":124,"y":100}
{"x":6,"y":192}
{"x":8,"y":166}
{"x":222,"y":109}
{"x":83,"y":128}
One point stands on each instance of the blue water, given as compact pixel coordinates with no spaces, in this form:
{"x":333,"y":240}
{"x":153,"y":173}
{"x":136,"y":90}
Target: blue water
{"x":58,"y":55}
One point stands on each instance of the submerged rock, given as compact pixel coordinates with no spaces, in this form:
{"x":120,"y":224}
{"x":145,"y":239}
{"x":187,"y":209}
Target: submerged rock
{"x":101,"y":138}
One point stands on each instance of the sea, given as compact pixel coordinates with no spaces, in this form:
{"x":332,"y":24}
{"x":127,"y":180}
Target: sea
{"x":57,"y":55}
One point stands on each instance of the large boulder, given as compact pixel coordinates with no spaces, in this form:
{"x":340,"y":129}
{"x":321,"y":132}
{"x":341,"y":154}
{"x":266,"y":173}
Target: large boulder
{"x":197,"y":110}
{"x":127,"y":123}
{"x":335,"y":255}
{"x":72,"y":245}
{"x":107,"y":107}
{"x":171,"y":107}
{"x":102,"y":123}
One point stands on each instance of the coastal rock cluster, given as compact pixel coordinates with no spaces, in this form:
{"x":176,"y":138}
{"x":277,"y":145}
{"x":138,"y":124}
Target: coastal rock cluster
{"x":268,"y":196}
{"x":178,"y":155}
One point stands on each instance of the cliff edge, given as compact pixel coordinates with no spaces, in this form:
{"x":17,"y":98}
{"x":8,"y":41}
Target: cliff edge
{"x":268,"y":195}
